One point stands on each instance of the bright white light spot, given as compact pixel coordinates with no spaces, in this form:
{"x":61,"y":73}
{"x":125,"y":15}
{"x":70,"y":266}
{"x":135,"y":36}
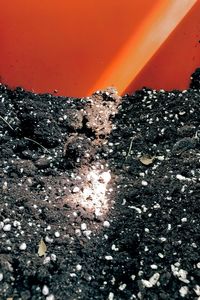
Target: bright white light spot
{"x":92,"y":194}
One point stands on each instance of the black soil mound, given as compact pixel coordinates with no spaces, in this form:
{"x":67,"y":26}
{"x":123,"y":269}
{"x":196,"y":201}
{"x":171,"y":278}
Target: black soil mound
{"x":100,"y":196}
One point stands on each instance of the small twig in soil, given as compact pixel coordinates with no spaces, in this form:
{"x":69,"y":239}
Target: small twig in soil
{"x":45,"y":149}
{"x":6,"y":123}
{"x":130,"y":148}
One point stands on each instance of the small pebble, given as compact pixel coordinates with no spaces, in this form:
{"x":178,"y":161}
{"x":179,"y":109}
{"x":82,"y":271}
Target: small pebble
{"x":106,"y":224}
{"x":152,"y":281}
{"x":105,"y":176}
{"x":7,"y":220}
{"x":160,"y":255}
{"x":87,"y":233}
{"x":98,"y":212}
{"x":22,"y":246}
{"x":7,"y":227}
{"x":45,"y":290}
{"x":78,"y":232}
{"x":78,"y":267}
{"x":1,"y":276}
{"x":122,"y":286}
{"x":114,"y":248}
{"x":144,"y":183}
{"x":83,"y":226}
{"x":197,"y":290}
{"x":184,"y":220}
{"x":154,"y":267}
{"x":75,"y":189}
{"x":183,"y":291}
{"x":1,"y":225}
{"x":16,"y":223}
{"x":111,"y":296}
{"x":48,"y":239}
{"x":180,"y":177}
{"x":46,"y":260}
{"x":108,"y":257}
{"x":5,"y":185}
{"x":50,"y":297}
{"x":57,"y":234}
{"x":53,"y":257}
{"x":162,"y":239}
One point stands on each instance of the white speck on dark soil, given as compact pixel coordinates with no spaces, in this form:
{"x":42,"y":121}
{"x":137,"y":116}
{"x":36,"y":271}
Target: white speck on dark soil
{"x":71,"y":175}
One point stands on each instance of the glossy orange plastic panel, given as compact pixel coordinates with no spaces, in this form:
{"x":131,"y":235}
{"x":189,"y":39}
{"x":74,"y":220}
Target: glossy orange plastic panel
{"x":171,"y":66}
{"x":144,"y":43}
{"x":79,"y":46}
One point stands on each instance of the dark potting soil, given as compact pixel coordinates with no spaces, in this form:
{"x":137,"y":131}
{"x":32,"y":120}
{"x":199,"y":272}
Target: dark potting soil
{"x":100,"y":195}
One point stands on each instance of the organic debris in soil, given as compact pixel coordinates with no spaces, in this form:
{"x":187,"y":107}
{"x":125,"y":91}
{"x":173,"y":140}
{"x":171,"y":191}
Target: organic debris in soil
{"x":100,"y":195}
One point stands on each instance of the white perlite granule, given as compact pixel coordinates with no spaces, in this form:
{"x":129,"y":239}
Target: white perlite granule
{"x":152,"y":280}
{"x":22,"y":246}
{"x":45,"y":290}
{"x":110,"y":296}
{"x":183,"y":291}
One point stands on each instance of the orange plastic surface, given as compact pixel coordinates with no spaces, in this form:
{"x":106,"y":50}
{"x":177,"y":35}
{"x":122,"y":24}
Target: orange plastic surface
{"x":78,"y":46}
{"x":177,"y":58}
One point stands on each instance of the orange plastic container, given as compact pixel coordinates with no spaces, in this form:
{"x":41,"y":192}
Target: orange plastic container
{"x":77,"y":47}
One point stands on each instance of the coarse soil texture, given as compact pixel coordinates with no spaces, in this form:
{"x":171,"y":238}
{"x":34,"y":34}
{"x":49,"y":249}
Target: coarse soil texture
{"x":100,"y":196}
